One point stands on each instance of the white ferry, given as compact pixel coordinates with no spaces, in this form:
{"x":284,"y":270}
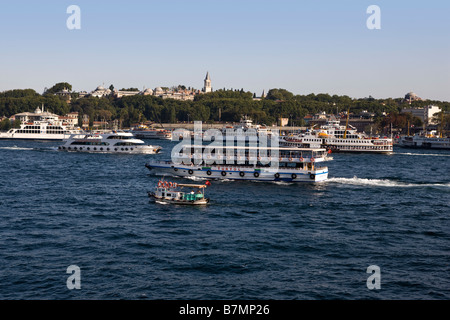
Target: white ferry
{"x":114,"y":142}
{"x":246,"y":163}
{"x":172,"y":193}
{"x":143,"y":132}
{"x":339,"y":138}
{"x":40,"y":125}
{"x":424,"y":142}
{"x":244,"y":131}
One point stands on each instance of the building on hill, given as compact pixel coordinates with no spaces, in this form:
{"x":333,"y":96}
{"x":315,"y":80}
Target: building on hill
{"x":64,"y":94}
{"x":207,"y":84}
{"x":411,"y":97}
{"x":423,"y":113}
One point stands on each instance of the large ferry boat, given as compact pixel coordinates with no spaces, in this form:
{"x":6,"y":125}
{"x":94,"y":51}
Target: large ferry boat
{"x":114,"y":142}
{"x":246,"y":163}
{"x":424,"y":142}
{"x":144,"y":132}
{"x":337,"y":138}
{"x":40,"y":125}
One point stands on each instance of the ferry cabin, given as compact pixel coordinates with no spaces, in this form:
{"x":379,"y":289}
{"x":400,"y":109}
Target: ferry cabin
{"x":247,"y":163}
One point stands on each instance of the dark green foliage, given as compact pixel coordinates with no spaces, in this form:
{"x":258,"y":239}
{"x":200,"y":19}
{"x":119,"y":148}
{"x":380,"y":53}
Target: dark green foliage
{"x":223,"y":104}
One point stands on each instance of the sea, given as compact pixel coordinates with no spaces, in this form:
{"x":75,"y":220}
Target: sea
{"x":379,"y":228}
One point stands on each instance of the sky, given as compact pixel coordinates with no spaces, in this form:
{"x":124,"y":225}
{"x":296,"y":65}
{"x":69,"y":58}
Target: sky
{"x":302,"y":46}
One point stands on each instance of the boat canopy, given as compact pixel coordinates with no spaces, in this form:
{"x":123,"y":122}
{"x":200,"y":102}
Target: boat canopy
{"x":200,"y":186}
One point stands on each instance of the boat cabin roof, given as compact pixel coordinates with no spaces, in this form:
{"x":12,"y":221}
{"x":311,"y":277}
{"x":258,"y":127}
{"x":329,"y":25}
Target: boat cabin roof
{"x":256,"y":148}
{"x":200,"y":186}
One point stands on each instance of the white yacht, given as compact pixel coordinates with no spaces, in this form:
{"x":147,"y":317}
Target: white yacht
{"x":337,"y":138}
{"x":246,"y":163}
{"x":40,"y":125}
{"x":114,"y":142}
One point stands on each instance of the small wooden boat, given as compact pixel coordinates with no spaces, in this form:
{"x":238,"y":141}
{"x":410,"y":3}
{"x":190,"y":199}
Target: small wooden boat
{"x":174,"y":193}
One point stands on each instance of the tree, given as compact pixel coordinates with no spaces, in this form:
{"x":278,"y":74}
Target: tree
{"x":59,"y":87}
{"x":442,"y":121}
{"x":279,"y":94}
{"x":5,"y":125}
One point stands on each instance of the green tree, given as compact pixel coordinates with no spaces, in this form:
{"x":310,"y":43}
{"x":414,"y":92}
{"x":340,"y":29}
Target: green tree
{"x":59,"y":87}
{"x":5,"y":125}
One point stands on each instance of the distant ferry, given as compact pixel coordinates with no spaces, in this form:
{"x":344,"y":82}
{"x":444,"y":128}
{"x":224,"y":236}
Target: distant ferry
{"x":247,"y":163}
{"x":41,"y":125}
{"x":121,"y":143}
{"x":338,"y":138}
{"x":423,"y":142}
{"x":143,"y":132}
{"x":244,"y":131}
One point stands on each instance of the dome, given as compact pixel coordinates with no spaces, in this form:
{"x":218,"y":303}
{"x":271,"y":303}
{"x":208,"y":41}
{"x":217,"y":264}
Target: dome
{"x":411,"y":95}
{"x":100,"y":88}
{"x":148,"y":90}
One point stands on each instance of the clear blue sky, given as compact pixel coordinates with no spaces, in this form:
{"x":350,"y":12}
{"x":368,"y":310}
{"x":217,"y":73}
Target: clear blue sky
{"x":303,"y":46}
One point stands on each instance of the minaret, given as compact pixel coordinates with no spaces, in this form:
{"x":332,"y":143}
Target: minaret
{"x":207,"y":88}
{"x":263,"y":94}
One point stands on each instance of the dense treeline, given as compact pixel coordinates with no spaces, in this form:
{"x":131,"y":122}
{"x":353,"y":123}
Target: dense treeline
{"x":220,"y":105}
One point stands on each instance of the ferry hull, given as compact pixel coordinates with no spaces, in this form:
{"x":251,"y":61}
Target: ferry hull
{"x":233,"y":173}
{"x":22,"y":136}
{"x":151,"y":150}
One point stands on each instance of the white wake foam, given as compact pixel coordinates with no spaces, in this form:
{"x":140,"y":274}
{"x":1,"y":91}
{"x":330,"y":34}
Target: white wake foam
{"x":423,"y":154}
{"x":384,"y":183}
{"x":15,"y":148}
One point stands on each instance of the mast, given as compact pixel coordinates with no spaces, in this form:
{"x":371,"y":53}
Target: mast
{"x":346,"y":123}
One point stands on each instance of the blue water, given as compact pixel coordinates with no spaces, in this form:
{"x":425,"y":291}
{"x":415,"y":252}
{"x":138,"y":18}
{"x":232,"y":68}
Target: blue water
{"x":254,"y":241}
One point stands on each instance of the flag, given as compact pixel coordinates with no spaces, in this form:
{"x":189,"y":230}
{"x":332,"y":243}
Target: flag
{"x":207,"y":183}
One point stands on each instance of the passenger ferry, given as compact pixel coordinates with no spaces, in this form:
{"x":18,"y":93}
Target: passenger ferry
{"x":40,"y":125}
{"x":244,"y":131}
{"x":173,"y":193}
{"x":339,"y":138}
{"x":246,"y":163}
{"x":114,"y":142}
{"x":424,"y":142}
{"x":143,"y":132}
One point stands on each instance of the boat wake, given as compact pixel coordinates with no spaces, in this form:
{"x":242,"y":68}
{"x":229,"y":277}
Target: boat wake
{"x":384,"y":183}
{"x":423,"y":154}
{"x":29,"y":149}
{"x":16,"y":148}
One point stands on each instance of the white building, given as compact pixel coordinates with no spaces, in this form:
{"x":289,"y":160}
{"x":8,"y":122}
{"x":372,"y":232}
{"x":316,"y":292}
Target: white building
{"x":100,"y":92}
{"x":38,"y":115}
{"x":425,"y":113}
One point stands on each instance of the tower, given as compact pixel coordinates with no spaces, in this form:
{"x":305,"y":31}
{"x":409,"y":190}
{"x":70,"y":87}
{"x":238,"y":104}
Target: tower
{"x":207,"y":87}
